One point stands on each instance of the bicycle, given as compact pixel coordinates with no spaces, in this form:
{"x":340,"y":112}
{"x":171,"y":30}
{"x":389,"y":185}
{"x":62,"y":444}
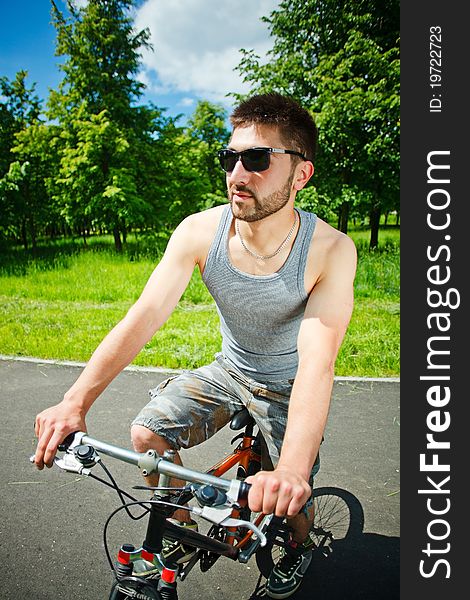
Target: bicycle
{"x":143,"y":573}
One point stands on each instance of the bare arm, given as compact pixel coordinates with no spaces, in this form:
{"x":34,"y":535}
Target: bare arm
{"x":326,"y":318}
{"x":157,"y":301}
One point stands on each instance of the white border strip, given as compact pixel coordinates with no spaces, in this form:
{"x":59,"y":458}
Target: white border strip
{"x":69,"y":363}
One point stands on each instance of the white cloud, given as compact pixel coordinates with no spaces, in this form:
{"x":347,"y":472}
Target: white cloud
{"x":80,"y":3}
{"x":196,"y":43}
{"x":186,"y":102}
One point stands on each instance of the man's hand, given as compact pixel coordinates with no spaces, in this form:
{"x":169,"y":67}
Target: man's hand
{"x":51,"y":427}
{"x":281,"y":492}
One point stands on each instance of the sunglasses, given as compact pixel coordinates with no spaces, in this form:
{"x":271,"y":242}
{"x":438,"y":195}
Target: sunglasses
{"x":253,"y":159}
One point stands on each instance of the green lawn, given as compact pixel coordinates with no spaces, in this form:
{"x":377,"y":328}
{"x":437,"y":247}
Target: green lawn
{"x":61,"y":306}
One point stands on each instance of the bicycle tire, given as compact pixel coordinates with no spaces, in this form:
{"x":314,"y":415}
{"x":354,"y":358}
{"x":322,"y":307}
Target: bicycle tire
{"x":338,"y":515}
{"x":134,"y":587}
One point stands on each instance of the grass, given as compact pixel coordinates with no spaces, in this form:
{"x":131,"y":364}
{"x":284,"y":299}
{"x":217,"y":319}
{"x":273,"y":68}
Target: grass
{"x":61,"y":304}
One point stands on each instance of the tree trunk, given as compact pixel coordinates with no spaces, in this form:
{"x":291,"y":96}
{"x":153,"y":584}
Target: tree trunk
{"x":24,"y":235}
{"x":32,"y":232}
{"x":374,"y":227}
{"x":117,"y":239}
{"x":344,"y":217}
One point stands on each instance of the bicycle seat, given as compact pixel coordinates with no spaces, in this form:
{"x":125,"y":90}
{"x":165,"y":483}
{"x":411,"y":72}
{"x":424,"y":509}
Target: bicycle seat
{"x":241,"y":419}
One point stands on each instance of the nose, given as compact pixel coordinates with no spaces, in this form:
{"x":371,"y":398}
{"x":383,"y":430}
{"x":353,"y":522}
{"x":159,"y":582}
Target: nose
{"x":239,"y":175}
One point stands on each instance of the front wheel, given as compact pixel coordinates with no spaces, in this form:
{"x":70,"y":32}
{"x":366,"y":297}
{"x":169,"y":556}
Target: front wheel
{"x":338,"y":515}
{"x":134,"y":587}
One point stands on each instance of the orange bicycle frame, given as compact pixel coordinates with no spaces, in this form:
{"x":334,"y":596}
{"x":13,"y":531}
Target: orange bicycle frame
{"x":242,"y":455}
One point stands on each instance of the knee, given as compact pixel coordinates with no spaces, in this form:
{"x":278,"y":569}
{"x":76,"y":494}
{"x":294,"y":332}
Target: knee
{"x":144,"y":439}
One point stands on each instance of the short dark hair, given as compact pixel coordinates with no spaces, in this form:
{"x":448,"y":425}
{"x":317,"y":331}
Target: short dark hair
{"x":296,"y":126}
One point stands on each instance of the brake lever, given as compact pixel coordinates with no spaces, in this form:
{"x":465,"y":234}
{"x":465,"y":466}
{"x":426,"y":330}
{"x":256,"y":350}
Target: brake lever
{"x":67,"y":463}
{"x":70,"y":464}
{"x":230,"y":522}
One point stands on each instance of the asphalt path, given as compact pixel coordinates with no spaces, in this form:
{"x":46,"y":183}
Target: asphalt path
{"x":51,"y":533}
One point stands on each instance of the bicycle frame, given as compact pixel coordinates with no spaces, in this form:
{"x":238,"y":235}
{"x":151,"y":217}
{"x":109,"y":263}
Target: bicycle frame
{"x":334,"y":510}
{"x":242,"y":455}
{"x":225,"y":509}
{"x":246,"y":454}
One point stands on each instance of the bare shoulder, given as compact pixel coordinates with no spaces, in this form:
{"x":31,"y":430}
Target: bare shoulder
{"x":206,"y":218}
{"x":334,"y":242}
{"x":195,"y":233}
{"x":331,"y":253}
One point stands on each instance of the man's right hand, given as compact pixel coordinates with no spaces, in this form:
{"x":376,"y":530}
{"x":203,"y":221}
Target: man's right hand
{"x":52,"y":426}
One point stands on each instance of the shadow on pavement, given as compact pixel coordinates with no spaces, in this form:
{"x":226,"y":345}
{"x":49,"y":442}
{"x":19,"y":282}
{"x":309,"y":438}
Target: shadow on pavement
{"x":364,"y":566}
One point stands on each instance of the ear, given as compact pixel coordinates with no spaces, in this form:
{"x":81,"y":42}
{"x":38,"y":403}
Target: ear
{"x":302,"y":175}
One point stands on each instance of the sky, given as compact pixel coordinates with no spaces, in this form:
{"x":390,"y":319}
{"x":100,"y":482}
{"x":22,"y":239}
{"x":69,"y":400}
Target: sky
{"x":196,"y":47}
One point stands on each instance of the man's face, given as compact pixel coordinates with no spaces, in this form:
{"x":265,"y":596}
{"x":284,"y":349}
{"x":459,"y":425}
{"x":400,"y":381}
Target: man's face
{"x":256,"y":195}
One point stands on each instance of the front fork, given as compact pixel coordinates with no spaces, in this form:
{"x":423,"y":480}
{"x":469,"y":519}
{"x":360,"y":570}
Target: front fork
{"x":147,"y":560}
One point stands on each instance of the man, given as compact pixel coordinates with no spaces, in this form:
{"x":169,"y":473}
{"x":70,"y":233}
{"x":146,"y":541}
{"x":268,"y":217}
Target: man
{"x":283,"y":284}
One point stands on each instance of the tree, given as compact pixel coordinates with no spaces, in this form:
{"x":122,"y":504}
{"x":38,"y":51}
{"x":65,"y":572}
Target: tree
{"x":95,"y":178}
{"x":102,"y":53}
{"x":19,"y":107}
{"x":358,"y":116}
{"x":103,"y":131}
{"x":20,"y":110}
{"x":207,"y":130}
{"x":340,"y":59}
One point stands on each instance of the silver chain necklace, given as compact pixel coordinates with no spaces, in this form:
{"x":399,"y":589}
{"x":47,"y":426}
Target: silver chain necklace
{"x":267,"y":257}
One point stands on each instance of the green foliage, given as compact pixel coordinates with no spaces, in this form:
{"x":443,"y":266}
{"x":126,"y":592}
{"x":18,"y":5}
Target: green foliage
{"x":103,"y":135}
{"x":22,"y":159}
{"x":19,"y":101}
{"x":207,"y":132}
{"x":123,"y":166}
{"x":101,"y":162}
{"x":95,"y":179}
{"x":102,"y":53}
{"x":357,"y":107}
{"x":341,"y":60}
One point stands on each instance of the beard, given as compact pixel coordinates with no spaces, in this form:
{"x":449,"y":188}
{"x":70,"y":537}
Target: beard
{"x":260,"y":208}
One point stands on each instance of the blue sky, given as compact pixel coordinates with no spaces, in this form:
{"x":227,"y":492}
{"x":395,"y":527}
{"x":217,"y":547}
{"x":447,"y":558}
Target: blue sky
{"x":196,"y":45}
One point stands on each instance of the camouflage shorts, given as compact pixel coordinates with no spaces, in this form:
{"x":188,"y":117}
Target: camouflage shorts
{"x":190,"y":407}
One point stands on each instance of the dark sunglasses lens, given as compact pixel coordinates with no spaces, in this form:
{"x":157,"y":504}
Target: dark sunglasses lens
{"x":255,"y":159}
{"x":228,"y":159}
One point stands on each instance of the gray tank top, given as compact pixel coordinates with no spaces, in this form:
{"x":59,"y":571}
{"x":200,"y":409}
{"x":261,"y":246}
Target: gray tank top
{"x":260,"y":316}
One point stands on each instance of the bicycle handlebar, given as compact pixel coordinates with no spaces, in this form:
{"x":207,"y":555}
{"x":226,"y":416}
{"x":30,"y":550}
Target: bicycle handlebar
{"x":81,"y":453}
{"x":149,"y":462}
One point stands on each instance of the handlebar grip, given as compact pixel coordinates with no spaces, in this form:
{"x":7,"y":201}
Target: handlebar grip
{"x":243,"y":491}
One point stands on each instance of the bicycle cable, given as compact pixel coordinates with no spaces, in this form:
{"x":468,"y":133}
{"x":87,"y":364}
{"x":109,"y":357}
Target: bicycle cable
{"x":121,"y":493}
{"x":125,"y":506}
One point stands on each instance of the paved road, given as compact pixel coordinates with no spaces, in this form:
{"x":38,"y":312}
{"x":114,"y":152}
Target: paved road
{"x":51,"y":530}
